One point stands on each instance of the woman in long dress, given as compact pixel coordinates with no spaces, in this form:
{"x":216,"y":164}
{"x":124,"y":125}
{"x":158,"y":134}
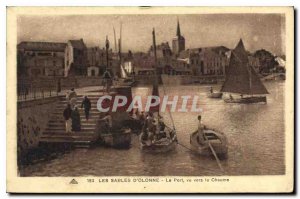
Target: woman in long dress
{"x":76,"y":123}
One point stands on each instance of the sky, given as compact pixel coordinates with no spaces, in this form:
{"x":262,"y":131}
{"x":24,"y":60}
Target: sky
{"x":257,"y":30}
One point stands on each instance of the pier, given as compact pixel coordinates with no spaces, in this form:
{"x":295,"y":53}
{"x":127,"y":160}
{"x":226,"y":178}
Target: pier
{"x":55,"y":132}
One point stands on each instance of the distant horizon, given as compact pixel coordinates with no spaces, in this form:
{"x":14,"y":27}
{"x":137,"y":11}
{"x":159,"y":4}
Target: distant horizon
{"x":258,"y":31}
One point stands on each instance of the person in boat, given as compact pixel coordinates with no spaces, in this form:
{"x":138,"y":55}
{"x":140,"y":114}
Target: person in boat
{"x":134,"y":114}
{"x":150,"y":126}
{"x":241,"y":95}
{"x":86,"y":104}
{"x":200,"y":138}
{"x":160,"y":129}
{"x":76,"y":124}
{"x":230,"y":96}
{"x":67,"y":115}
{"x":211,"y":89}
{"x":108,"y":122}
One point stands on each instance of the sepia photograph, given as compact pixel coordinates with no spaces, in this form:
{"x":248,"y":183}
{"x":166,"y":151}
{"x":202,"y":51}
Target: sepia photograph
{"x":143,"y":97}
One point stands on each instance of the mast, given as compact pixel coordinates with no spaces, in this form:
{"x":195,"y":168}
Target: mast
{"x":107,"y":47}
{"x":115,"y":39}
{"x":120,"y":44}
{"x":155,"y":85}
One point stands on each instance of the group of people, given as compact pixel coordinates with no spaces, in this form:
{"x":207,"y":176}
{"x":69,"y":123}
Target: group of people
{"x":153,"y":128}
{"x":71,"y":112}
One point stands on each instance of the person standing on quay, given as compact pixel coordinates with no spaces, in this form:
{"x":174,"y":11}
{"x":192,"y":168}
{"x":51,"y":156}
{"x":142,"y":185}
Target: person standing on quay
{"x":76,"y":124}
{"x":72,"y":97}
{"x":86,"y":104}
{"x":67,"y":115}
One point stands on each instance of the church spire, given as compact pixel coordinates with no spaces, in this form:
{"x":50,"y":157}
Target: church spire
{"x":178,"y":28}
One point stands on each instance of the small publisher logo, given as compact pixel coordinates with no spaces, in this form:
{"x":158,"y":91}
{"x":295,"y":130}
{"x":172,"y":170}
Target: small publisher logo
{"x":73,"y":181}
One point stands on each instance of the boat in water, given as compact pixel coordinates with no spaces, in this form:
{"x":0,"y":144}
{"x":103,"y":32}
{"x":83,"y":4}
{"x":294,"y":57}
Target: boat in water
{"x":215,"y":95}
{"x":167,"y":142}
{"x":242,"y":79}
{"x":217,"y":140}
{"x":156,"y":137}
{"x":120,"y":139}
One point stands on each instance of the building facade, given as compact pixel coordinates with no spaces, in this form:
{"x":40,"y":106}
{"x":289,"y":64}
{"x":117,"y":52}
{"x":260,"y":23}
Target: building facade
{"x":207,"y":60}
{"x":36,"y":59}
{"x":76,"y":62}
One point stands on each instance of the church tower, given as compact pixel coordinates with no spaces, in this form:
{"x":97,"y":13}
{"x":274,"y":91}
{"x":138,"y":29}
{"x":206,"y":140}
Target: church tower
{"x":178,"y":43}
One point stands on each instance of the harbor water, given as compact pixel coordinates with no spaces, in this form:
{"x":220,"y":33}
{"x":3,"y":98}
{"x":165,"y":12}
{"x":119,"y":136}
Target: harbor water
{"x":255,"y":134}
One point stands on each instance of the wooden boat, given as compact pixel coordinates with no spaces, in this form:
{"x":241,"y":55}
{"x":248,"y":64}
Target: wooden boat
{"x":159,"y":146}
{"x":120,"y":139}
{"x":247,"y":100}
{"x":242,"y":79}
{"x":166,"y":139}
{"x":215,"y":95}
{"x":217,"y":140}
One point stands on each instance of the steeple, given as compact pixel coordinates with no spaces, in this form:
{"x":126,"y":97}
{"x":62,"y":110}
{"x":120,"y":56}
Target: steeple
{"x":178,"y":28}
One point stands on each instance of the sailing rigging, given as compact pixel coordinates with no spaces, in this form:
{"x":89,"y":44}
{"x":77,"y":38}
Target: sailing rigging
{"x":242,"y":79}
{"x":156,"y":136}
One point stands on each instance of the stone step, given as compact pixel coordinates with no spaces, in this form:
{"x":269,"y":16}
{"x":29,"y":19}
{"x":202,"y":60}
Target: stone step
{"x":68,"y":137}
{"x":59,"y":133}
{"x":56,"y":124}
{"x":62,"y":122}
{"x":68,"y":141}
{"x":94,"y":112}
{"x":62,"y":126}
{"x":62,"y":130}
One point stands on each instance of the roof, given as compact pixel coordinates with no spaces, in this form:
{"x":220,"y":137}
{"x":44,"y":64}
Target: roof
{"x":79,"y":44}
{"x":42,"y":46}
{"x":215,"y":49}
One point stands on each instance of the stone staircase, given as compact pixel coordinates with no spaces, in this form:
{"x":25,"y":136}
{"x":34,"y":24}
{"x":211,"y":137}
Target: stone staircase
{"x":55,"y":132}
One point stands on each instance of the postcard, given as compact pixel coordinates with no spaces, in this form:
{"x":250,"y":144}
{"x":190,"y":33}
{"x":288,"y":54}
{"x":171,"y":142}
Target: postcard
{"x":150,"y":99}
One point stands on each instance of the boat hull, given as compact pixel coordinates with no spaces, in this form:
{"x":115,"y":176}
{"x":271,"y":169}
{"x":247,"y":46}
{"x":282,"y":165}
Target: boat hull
{"x":120,"y":140}
{"x":217,"y":140}
{"x":215,"y":95}
{"x":247,"y":100}
{"x":158,"y":147}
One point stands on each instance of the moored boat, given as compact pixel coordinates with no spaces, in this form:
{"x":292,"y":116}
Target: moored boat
{"x":120,"y":139}
{"x":215,"y":95}
{"x":166,"y":144}
{"x":217,"y":140}
{"x":156,"y":137}
{"x":247,"y":100}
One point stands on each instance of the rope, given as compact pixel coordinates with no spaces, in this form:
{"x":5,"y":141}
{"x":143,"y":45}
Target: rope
{"x":172,"y":120}
{"x":187,"y":147}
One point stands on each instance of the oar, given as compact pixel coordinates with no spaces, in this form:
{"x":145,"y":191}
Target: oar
{"x":214,"y":153}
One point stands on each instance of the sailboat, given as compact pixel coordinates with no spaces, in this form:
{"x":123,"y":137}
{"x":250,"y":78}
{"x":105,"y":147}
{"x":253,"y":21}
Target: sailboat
{"x":242,"y":79}
{"x":164,"y":138}
{"x":213,"y":94}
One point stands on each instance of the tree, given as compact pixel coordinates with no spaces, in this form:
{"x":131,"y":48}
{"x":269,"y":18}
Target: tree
{"x":266,"y":59}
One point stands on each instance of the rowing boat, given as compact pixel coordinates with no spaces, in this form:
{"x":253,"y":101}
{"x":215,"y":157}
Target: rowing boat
{"x":215,"y":95}
{"x":217,"y":140}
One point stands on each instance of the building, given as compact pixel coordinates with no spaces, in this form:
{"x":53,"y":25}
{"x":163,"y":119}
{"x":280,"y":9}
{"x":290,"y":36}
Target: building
{"x":178,"y":42}
{"x":35,"y":59}
{"x":207,"y":60}
{"x":76,"y":62}
{"x":97,"y":60}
